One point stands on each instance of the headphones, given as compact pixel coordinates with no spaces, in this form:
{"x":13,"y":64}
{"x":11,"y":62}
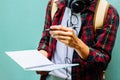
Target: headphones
{"x":77,"y":6}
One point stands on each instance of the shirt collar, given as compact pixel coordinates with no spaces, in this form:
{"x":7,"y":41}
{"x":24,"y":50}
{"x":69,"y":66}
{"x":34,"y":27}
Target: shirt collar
{"x":60,"y":3}
{"x":92,"y":6}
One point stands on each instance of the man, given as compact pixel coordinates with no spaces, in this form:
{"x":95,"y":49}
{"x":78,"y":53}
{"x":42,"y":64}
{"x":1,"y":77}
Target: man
{"x":72,"y":39}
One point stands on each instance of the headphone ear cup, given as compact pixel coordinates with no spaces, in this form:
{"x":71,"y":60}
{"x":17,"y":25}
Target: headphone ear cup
{"x":77,"y":6}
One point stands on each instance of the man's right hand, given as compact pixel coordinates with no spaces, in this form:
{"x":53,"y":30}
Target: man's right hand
{"x":42,"y":73}
{"x":46,"y":55}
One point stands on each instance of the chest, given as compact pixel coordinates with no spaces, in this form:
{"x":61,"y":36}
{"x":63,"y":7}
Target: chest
{"x":86,"y":32}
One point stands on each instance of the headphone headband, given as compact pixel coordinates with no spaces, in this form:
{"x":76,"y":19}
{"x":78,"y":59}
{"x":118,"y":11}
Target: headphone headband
{"x":77,"y":6}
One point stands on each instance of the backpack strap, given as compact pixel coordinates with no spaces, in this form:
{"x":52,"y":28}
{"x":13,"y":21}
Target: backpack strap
{"x":100,"y":13}
{"x":100,"y":16}
{"x":53,"y":8}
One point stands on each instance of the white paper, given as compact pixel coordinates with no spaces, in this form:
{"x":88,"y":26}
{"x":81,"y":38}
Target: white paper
{"x":34,"y":60}
{"x":52,"y":67}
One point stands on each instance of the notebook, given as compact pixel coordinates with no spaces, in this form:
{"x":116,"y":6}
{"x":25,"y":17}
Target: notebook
{"x":35,"y":61}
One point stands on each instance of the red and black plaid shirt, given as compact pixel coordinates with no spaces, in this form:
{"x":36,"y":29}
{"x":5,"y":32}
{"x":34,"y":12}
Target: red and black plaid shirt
{"x":100,"y":42}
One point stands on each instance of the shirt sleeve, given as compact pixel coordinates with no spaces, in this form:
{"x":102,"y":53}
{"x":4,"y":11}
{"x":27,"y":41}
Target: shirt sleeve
{"x":44,"y":42}
{"x":100,"y":53}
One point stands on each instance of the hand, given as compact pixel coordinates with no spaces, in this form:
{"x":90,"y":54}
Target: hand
{"x":46,"y":55}
{"x":42,"y":72}
{"x":68,"y":37}
{"x":64,"y":35}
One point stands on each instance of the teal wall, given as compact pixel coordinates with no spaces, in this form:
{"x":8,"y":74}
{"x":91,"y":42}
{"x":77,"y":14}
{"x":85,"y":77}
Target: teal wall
{"x":21,"y":23}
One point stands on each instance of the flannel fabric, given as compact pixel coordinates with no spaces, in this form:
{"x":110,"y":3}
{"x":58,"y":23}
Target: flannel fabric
{"x":100,"y":42}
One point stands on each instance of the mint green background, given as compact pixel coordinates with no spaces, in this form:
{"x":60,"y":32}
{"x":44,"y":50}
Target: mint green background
{"x":21,"y":23}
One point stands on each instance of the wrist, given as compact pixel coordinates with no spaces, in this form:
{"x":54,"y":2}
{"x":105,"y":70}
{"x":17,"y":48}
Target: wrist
{"x":82,"y":49}
{"x":79,"y":45}
{"x":44,"y":53}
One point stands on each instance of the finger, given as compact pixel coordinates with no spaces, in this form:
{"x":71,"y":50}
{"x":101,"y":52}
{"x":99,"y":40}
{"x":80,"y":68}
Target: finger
{"x":65,"y":42}
{"x":42,"y":72}
{"x":62,"y":33}
{"x":38,"y":72}
{"x":59,"y":27}
{"x":59,"y":37}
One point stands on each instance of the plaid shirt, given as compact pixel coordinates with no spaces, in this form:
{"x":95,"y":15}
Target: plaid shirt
{"x":100,"y":42}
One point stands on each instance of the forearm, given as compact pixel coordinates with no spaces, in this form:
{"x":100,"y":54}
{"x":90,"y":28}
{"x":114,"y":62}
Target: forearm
{"x":98,"y":59}
{"x":82,"y":49}
{"x":95,"y":58}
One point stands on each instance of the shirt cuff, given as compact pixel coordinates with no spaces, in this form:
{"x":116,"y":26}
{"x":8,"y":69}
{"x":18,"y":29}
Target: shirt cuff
{"x":91,"y":55}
